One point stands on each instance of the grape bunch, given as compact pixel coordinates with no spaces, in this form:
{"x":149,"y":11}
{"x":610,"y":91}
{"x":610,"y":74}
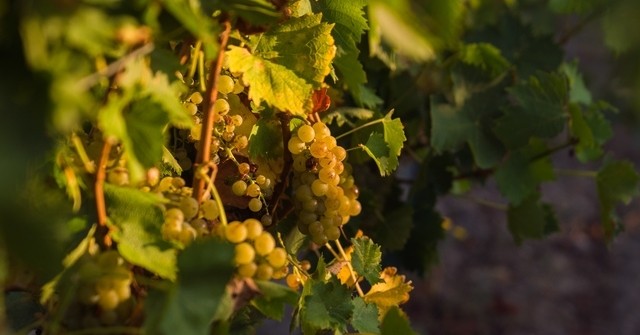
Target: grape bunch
{"x":325,"y":195}
{"x":103,"y":293}
{"x":256,"y":254}
{"x":185,"y":219}
{"x":255,"y":186}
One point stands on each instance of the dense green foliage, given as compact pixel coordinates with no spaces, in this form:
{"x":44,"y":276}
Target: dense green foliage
{"x":195,"y":167}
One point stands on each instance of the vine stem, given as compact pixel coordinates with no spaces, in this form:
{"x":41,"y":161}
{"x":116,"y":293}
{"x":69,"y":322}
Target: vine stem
{"x":368,"y":124}
{"x":210,"y":114}
{"x":351,"y":271}
{"x":101,"y":208}
{"x":577,"y":173}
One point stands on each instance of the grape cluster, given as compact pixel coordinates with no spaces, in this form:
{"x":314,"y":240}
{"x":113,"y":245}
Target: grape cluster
{"x":185,"y":220}
{"x":104,"y":291}
{"x":325,"y":196}
{"x":257,"y":188}
{"x":256,"y":254}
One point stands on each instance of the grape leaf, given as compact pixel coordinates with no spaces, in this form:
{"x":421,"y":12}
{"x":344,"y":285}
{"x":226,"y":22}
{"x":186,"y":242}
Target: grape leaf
{"x":378,"y":150}
{"x":366,"y":259}
{"x":265,"y":140}
{"x":485,"y":56}
{"x":273,"y":298}
{"x":395,"y":322}
{"x":350,"y":24}
{"x":258,"y":12}
{"x":531,"y":219}
{"x":365,"y":317}
{"x":138,"y":218}
{"x":201,"y":25}
{"x":617,"y":182}
{"x":392,"y":291}
{"x":279,"y":86}
{"x":451,"y":127}
{"x":538,"y":111}
{"x":385,"y":143}
{"x":578,"y":91}
{"x":341,"y":115}
{"x":187,"y":306}
{"x":522,"y":172}
{"x":591,"y":129}
{"x":328,"y":306}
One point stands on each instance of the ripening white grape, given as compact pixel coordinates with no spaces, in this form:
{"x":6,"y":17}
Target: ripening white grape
{"x":306,"y":133}
{"x":255,"y":205}
{"x":210,"y":209}
{"x":225,"y":84}
{"x":221,"y":106}
{"x":189,"y":207}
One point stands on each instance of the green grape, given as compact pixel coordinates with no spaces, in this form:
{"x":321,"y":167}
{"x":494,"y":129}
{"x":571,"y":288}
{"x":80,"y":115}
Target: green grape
{"x":319,"y":188}
{"x":210,"y":209}
{"x":118,"y":176}
{"x":266,"y":220}
{"x":299,"y":163}
{"x":340,"y":153}
{"x":332,"y":233}
{"x":238,"y":87}
{"x":200,"y":226}
{"x":123,"y":290}
{"x":221,"y":106}
{"x":109,"y":259}
{"x":255,"y":205}
{"x":318,"y":149}
{"x":319,"y":239}
{"x":187,"y":234}
{"x":254,"y":228}
{"x":189,"y":207}
{"x":171,"y":232}
{"x":165,"y":184}
{"x":307,"y":217}
{"x":196,"y":98}
{"x":244,"y":168}
{"x":264,"y":272}
{"x":178,"y":182}
{"x":321,"y":130}
{"x":303,"y":192}
{"x":328,"y":161}
{"x":191,"y":108}
{"x":295,"y":145}
{"x":247,"y":270}
{"x":253,"y":190}
{"x":230,"y":128}
{"x":327,"y":175}
{"x":355,"y":208}
{"x":225,"y":84}
{"x":236,"y":120}
{"x":241,"y":142}
{"x":293,"y":281}
{"x":261,"y":180}
{"x":264,"y":243}
{"x":279,"y":273}
{"x":306,"y":133}
{"x":235,"y":232}
{"x":239,"y":188}
{"x":244,"y":253}
{"x":277,"y":257}
{"x":108,"y":299}
{"x":310,"y":205}
{"x":330,"y":141}
{"x":316,"y":228}
{"x":185,"y":163}
{"x":172,"y":224}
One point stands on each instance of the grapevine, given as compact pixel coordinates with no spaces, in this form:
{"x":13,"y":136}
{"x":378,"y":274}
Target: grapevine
{"x":246,"y":153}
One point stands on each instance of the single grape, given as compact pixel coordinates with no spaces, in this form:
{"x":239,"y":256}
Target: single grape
{"x":253,"y":190}
{"x":123,"y":290}
{"x":319,"y":239}
{"x":296,"y":145}
{"x":279,"y":273}
{"x":277,"y":257}
{"x":316,"y":228}
{"x":225,"y":84}
{"x":185,"y":163}
{"x":196,"y":98}
{"x":328,"y":175}
{"x":318,"y":149}
{"x":321,"y":130}
{"x":305,"y":265}
{"x":200,"y":226}
{"x":244,"y":168}
{"x":247,"y":270}
{"x":221,"y":106}
{"x":241,"y":142}
{"x":189,"y":207}
{"x":118,"y":176}
{"x":230,"y":128}
{"x":108,"y":300}
{"x":238,"y":87}
{"x":264,"y":243}
{"x":355,"y":208}
{"x":340,"y":153}
{"x":235,"y":232}
{"x":332,"y":233}
{"x":254,"y":228}
{"x":303,"y":192}
{"x":255,"y":205}
{"x":236,"y":120}
{"x":264,"y":272}
{"x":261,"y":179}
{"x":266,"y":220}
{"x":187,"y":234}
{"x":210,"y":209}
{"x":244,"y":253}
{"x":319,"y":188}
{"x":306,"y":133}
{"x":299,"y":163}
{"x":165,"y":184}
{"x":239,"y":188}
{"x":191,"y":108}
{"x":293,"y":281}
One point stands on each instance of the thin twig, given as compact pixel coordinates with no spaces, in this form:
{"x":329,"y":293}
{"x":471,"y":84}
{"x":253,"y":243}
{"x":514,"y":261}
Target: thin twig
{"x":210,"y":115}
{"x":101,"y":208}
{"x":114,"y":67}
{"x":484,"y":202}
{"x":571,"y":142}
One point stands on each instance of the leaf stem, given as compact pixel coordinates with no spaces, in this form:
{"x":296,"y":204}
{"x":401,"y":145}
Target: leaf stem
{"x":485,"y":202}
{"x":210,"y":114}
{"x":370,"y":123}
{"x":571,"y":142}
{"x":351,"y":271}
